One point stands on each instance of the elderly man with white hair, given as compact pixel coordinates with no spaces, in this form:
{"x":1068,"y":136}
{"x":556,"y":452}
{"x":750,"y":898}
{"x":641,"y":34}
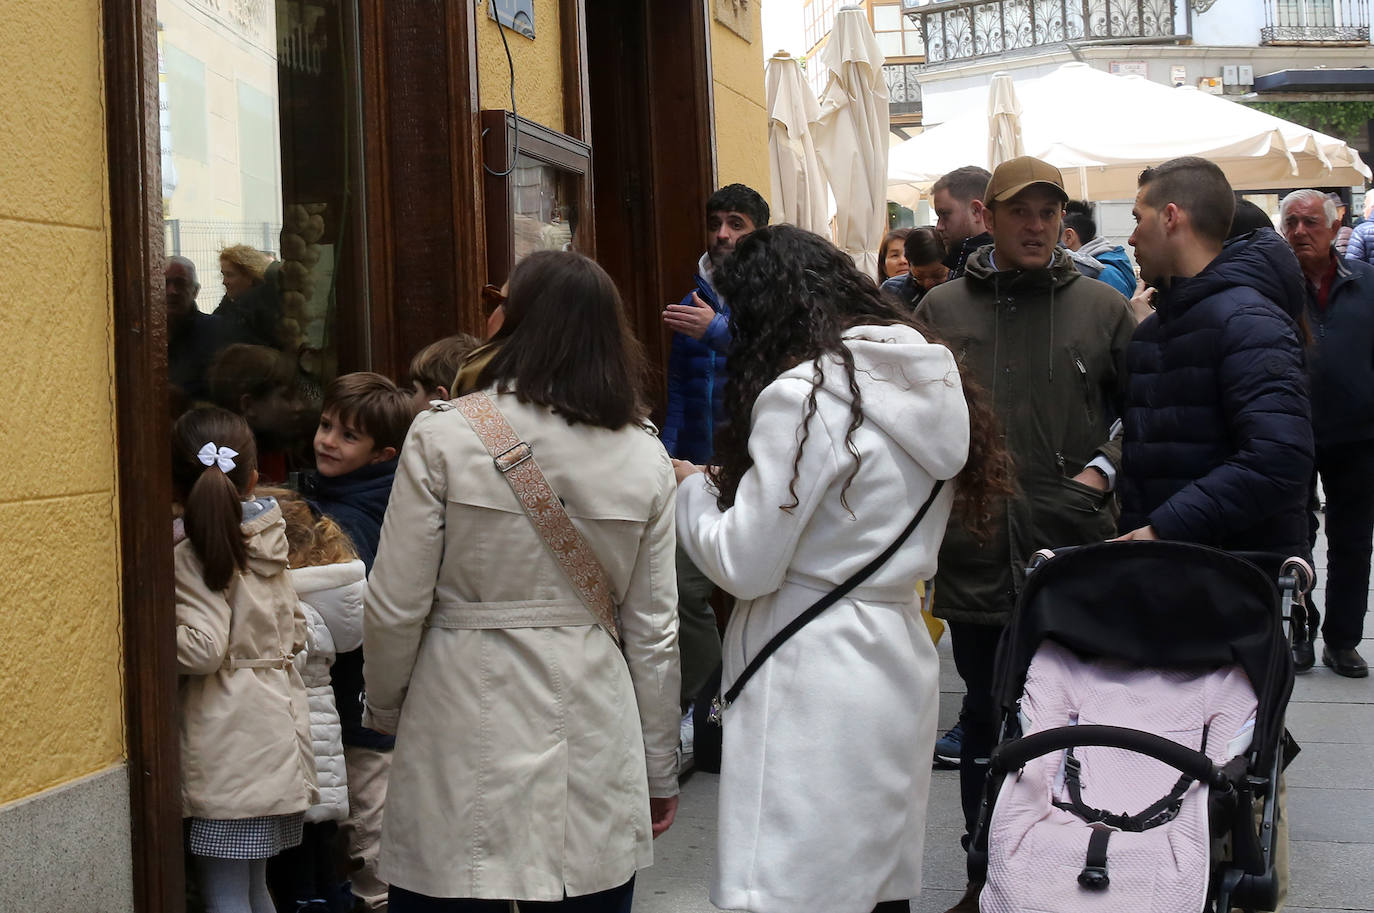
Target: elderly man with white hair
{"x":1340,"y":312}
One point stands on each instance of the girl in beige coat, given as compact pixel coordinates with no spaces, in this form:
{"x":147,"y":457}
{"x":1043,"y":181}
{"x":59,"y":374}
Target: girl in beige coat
{"x":248,"y":773}
{"x":534,"y":759}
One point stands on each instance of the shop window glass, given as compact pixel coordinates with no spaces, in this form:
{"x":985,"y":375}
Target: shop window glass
{"x":261,"y":194}
{"x":544,"y":207}
{"x":535,"y":190}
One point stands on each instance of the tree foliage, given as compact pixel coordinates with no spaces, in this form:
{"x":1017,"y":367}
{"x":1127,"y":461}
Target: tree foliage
{"x":1347,"y":120}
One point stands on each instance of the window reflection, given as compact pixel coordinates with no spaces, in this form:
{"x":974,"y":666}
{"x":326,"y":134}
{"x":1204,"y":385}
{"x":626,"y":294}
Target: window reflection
{"x":542,"y":202}
{"x":258,"y":132}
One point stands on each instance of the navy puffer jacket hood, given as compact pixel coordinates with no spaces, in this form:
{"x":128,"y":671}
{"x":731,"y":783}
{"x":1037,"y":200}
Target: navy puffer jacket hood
{"x":1218,"y":436}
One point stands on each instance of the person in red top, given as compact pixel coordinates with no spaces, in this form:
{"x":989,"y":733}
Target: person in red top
{"x":1340,"y":311}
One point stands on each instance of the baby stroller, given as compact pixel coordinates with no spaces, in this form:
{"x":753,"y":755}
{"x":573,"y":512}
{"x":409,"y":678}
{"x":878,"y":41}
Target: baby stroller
{"x":1142,"y":689}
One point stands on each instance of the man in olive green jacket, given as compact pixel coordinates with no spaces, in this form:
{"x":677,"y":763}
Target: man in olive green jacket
{"x":1049,"y":346}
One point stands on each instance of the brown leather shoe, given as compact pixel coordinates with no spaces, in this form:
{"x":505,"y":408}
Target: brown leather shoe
{"x":1345,"y":661}
{"x":969,"y":902}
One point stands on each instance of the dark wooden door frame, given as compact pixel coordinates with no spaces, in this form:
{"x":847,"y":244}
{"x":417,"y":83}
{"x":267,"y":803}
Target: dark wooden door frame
{"x":144,"y":464}
{"x":652,"y":141}
{"x":425,"y":245}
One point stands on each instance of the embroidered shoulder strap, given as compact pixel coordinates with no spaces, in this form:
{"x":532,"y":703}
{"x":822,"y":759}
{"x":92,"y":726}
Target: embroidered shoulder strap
{"x":515,"y":461}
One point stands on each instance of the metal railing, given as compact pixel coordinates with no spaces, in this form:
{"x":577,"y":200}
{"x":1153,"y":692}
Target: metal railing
{"x":966,"y":29}
{"x":903,"y":88}
{"x":1315,"y":22}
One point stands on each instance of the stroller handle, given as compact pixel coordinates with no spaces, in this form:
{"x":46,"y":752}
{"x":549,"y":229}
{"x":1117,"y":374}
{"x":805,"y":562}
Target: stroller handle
{"x":1014,"y":755}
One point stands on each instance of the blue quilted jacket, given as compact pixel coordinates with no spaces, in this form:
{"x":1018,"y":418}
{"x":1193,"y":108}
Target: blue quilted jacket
{"x":696,"y":383}
{"x":1218,"y":436}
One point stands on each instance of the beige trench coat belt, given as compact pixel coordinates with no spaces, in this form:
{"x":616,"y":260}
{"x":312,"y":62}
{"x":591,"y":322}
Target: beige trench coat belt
{"x":532,"y":613}
{"x":271,"y":662}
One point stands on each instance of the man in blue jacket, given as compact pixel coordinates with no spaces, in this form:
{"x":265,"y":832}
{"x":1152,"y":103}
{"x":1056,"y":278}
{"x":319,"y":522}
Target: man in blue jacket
{"x":696,"y":409}
{"x":1217,"y":444}
{"x":1097,"y":258}
{"x":1340,"y":310}
{"x":701,"y":331}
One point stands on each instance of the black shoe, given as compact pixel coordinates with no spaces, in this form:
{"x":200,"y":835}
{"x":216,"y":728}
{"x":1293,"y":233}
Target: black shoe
{"x":1304,"y":656}
{"x":1345,"y":662}
{"x":969,"y":902}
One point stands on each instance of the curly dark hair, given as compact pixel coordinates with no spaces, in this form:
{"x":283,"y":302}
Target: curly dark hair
{"x":792,"y":297}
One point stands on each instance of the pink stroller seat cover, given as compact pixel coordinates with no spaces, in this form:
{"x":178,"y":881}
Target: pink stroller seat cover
{"x":1037,"y":850}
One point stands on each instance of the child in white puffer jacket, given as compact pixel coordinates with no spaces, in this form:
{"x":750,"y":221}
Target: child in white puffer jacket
{"x":330,"y":582}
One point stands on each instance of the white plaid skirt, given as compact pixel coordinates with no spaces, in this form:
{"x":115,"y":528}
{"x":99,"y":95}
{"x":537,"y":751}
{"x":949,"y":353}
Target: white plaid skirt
{"x":245,"y":838}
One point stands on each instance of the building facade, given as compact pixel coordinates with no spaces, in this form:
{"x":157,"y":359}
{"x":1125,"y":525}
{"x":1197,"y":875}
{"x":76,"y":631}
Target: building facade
{"x":391,"y":159}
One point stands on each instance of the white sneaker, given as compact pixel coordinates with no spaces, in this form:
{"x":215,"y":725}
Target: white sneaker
{"x":687,"y":735}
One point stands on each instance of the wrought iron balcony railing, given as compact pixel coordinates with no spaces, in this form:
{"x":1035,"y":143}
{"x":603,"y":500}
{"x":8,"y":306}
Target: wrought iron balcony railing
{"x":903,"y":89}
{"x":1315,"y":22}
{"x":966,"y":29}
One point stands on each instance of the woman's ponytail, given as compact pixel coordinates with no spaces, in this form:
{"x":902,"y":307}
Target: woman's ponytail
{"x":214,"y":458}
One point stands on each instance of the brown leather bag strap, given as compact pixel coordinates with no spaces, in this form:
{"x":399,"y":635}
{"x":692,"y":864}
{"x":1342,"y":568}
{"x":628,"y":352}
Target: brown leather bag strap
{"x":514,"y":459}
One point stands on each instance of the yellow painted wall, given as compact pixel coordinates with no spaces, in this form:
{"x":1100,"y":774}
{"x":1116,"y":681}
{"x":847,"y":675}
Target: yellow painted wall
{"x":741,"y":105}
{"x":538,"y":66}
{"x":61,"y":711}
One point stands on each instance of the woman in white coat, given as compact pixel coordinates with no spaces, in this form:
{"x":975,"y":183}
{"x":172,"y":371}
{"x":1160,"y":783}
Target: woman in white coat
{"x":843,"y":416}
{"x":535,"y":758}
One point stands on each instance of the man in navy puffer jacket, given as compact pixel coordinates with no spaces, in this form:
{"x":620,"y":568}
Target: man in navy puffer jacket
{"x":1218,"y":437}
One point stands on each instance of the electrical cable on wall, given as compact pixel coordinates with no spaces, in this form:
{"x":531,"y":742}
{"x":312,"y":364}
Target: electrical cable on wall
{"x":515,"y":152}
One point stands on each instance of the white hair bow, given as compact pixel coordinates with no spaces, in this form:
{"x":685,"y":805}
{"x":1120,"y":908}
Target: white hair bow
{"x":223,"y":457}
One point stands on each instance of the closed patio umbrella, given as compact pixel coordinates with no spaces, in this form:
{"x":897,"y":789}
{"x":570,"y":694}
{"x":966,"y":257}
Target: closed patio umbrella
{"x":851,"y":136}
{"x":798,"y":188}
{"x":1004,"y":121}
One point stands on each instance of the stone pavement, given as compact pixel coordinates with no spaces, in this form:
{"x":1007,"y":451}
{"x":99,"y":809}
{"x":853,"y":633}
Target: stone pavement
{"x":1330,"y":790}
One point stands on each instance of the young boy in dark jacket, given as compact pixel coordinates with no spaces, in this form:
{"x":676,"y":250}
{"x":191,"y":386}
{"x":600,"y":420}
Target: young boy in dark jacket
{"x":363,"y":423}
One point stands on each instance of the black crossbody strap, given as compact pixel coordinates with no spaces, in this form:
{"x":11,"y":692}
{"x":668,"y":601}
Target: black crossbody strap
{"x":825,"y":602}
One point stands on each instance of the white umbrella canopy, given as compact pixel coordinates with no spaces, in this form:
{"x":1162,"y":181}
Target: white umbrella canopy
{"x":1004,"y":121}
{"x":851,"y":136}
{"x":798,"y":188}
{"x":1135,"y":124}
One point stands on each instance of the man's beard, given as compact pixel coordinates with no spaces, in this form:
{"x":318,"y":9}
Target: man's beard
{"x":717,"y":253}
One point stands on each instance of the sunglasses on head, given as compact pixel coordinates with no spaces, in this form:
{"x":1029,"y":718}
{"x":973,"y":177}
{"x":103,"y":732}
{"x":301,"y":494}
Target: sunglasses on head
{"x":492,"y":298}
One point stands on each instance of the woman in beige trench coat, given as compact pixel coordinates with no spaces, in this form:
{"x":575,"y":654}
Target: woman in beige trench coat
{"x":535,"y":760}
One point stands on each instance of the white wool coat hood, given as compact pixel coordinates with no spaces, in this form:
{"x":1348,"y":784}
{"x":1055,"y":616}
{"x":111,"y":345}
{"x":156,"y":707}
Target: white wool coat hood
{"x":888,"y":362}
